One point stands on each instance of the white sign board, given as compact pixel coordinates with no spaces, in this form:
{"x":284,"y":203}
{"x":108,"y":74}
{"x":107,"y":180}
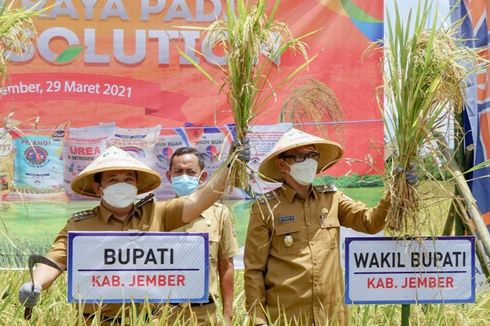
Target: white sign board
{"x":116,"y":267}
{"x":430,"y":270}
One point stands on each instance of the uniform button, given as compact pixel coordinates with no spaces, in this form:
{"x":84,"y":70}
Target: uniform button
{"x":288,"y":241}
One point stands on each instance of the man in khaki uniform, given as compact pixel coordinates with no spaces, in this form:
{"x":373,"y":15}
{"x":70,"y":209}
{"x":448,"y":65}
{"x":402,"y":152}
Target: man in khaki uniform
{"x":186,"y":172}
{"x":292,"y":258}
{"x":116,"y":177}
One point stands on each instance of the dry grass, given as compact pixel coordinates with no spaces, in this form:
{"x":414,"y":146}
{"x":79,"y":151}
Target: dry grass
{"x":53,"y":309}
{"x":425,"y":74}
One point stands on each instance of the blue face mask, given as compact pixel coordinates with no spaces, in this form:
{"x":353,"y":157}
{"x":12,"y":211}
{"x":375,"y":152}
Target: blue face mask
{"x":184,"y":185}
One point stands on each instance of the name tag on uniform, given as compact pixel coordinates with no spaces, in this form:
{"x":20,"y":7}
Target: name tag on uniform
{"x":288,"y":218}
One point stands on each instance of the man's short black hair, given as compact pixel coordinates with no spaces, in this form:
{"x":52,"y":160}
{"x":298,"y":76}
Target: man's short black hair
{"x":98,"y":177}
{"x":187,"y":150}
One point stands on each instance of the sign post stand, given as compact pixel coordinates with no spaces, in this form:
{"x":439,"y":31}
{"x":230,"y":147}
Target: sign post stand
{"x":405,"y":314}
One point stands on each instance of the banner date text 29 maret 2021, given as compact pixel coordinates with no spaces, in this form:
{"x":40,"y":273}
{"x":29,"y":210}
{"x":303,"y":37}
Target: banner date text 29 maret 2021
{"x":67,"y":86}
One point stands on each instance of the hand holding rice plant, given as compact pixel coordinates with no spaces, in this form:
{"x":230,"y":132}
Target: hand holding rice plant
{"x":425,"y":76}
{"x":253,"y":44}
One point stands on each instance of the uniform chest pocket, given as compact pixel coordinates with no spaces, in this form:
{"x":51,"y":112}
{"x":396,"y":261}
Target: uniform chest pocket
{"x":329,"y":233}
{"x":288,"y":238}
{"x":214,"y":240}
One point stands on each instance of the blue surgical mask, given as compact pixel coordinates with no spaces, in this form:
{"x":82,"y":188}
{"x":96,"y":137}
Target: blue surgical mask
{"x":184,"y":185}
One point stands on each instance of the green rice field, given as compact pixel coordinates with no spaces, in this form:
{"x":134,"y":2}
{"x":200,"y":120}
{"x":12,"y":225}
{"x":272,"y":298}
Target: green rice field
{"x":30,"y":227}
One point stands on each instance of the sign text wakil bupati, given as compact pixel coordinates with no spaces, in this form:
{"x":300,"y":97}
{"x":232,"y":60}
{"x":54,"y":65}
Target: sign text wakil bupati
{"x":116,"y":267}
{"x":383,"y":270}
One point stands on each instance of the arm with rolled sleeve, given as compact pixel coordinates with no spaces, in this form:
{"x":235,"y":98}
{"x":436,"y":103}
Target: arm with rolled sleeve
{"x":168,"y":215}
{"x":228,"y":248}
{"x":58,"y":250}
{"x":226,"y":275}
{"x":206,"y":195}
{"x":257,"y":247}
{"x":44,"y":275}
{"x":358,"y":216}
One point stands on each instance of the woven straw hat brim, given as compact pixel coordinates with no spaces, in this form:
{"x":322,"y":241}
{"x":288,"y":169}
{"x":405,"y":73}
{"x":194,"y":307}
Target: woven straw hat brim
{"x":148,"y":180}
{"x":115,"y":159}
{"x":330,"y":153}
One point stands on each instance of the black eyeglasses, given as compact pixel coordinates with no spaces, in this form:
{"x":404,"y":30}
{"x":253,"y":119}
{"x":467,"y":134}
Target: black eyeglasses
{"x":301,"y":157}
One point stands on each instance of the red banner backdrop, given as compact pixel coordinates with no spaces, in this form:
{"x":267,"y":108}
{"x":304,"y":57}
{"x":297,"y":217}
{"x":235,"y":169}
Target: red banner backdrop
{"x":131,"y":73}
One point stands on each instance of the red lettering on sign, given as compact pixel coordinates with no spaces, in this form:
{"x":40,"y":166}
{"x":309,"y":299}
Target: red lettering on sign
{"x":157,"y":280}
{"x":380,"y":283}
{"x":106,"y":280}
{"x":430,"y":282}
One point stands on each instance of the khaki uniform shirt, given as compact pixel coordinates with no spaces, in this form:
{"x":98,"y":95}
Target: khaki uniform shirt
{"x":217,"y":222}
{"x":292,"y":258}
{"x":160,"y":216}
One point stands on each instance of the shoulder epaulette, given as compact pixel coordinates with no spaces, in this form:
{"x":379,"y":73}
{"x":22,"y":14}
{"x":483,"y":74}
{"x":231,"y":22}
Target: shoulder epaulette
{"x":266,"y":197}
{"x":147,"y":199}
{"x":325,"y":188}
{"x":78,"y":216}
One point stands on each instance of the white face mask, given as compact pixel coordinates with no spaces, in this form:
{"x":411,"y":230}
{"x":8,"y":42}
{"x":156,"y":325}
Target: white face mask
{"x":304,"y":172}
{"x":120,"y":195}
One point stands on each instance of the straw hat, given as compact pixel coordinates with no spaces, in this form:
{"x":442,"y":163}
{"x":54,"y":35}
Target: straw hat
{"x":330,"y":152}
{"x":113,"y":159}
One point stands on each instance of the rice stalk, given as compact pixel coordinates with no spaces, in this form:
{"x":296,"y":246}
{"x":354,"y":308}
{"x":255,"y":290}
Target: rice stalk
{"x":16,"y":32}
{"x":425,"y":73}
{"x":252,"y":42}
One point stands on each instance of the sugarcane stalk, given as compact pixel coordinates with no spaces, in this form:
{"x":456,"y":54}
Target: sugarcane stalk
{"x":468,"y":227}
{"x":470,"y":202}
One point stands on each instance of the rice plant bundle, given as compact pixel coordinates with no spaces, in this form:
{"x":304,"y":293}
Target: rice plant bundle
{"x":425,"y":76}
{"x":16,"y":31}
{"x":253,"y":43}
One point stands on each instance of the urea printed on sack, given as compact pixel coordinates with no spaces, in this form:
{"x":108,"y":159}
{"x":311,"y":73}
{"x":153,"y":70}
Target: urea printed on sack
{"x":76,"y":150}
{"x":158,"y":256}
